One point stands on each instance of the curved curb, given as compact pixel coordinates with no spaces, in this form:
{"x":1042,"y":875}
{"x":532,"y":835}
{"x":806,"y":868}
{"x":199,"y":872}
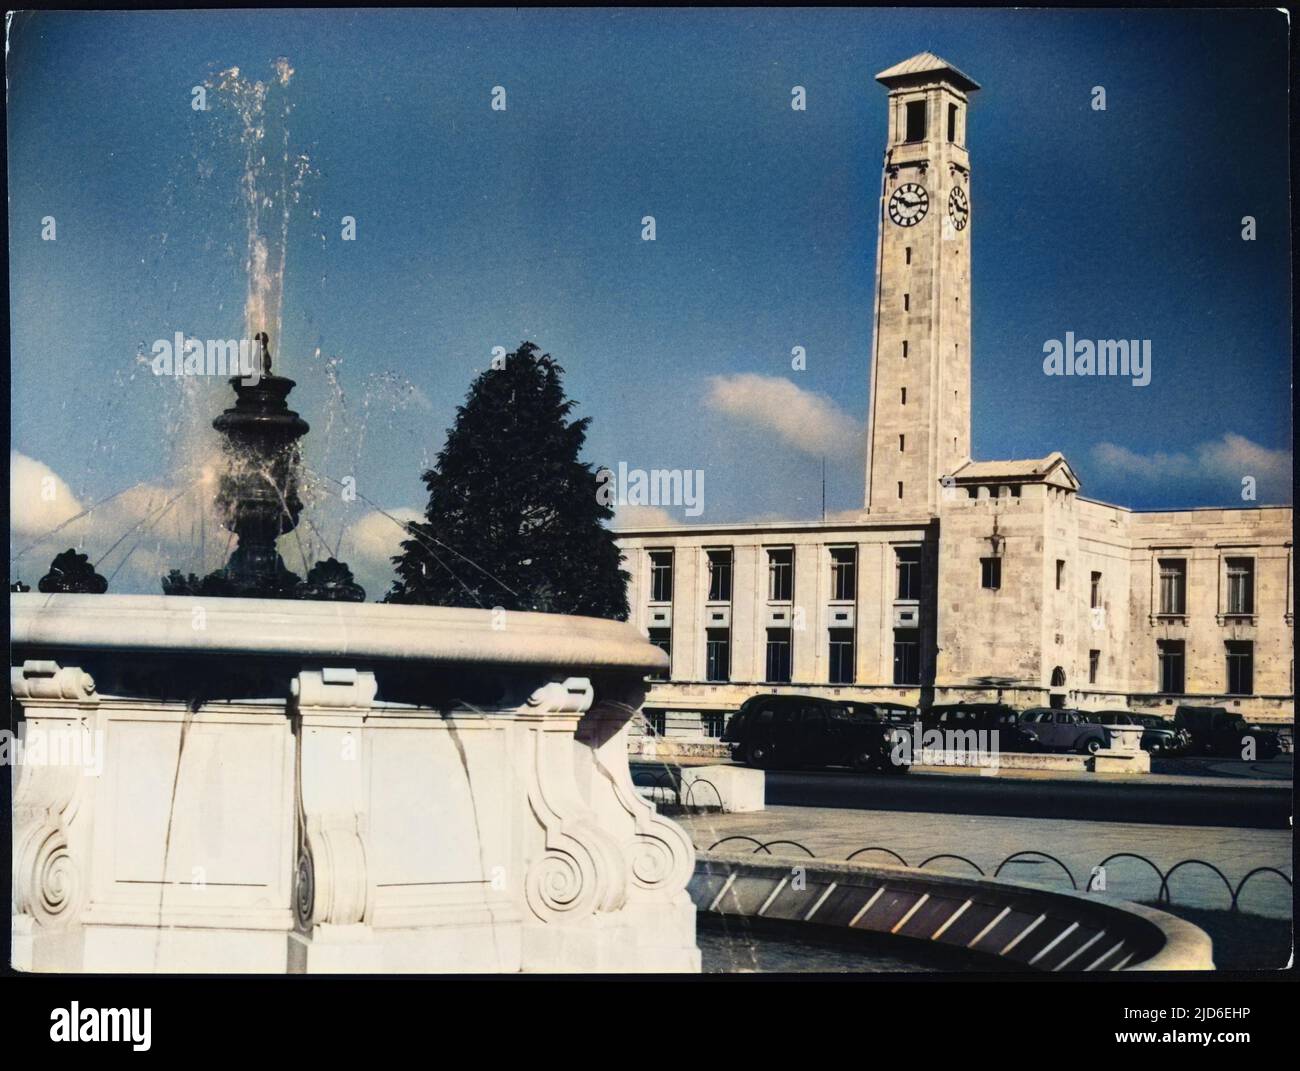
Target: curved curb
{"x":1038,"y":929}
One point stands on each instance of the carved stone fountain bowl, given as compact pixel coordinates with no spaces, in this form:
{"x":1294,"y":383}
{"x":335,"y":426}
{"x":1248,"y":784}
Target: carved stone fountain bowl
{"x":290,"y":786}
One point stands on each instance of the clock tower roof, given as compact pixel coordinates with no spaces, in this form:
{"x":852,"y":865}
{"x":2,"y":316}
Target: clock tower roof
{"x":922,"y":65}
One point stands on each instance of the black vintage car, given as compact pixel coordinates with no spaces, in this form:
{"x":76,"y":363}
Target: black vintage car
{"x":1219,"y":731}
{"x":784,"y":732}
{"x":1159,"y":736}
{"x":983,"y":717}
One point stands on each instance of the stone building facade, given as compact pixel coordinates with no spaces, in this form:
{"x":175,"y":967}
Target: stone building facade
{"x":961,"y":579}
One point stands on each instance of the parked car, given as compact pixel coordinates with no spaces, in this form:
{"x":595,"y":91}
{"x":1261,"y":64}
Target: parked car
{"x":1155,"y":723}
{"x":983,"y":717}
{"x":1219,"y":731}
{"x":894,"y":713}
{"x":774,"y":732}
{"x":1158,"y":736}
{"x":1062,"y":729}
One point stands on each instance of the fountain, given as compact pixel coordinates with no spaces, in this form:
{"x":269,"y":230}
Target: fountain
{"x":258,"y":498}
{"x":289,"y":780}
{"x":288,"y":785}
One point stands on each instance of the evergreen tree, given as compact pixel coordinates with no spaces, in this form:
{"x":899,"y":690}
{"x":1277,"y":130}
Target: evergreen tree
{"x":513,"y":518}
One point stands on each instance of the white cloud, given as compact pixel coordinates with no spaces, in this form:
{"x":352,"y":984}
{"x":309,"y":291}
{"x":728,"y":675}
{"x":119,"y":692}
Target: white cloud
{"x":370,"y":544}
{"x":1217,"y":460}
{"x":38,"y":498}
{"x":805,"y":420}
{"x":375,"y":537}
{"x":644,"y":517}
{"x":133,"y":538}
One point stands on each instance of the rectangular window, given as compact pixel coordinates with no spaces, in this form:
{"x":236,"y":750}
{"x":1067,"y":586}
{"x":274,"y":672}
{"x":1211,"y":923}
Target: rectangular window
{"x":1096,"y":591}
{"x":991,"y":573}
{"x":1241,"y":667}
{"x":1170,"y":653}
{"x":907,"y":569}
{"x":903,"y":394}
{"x":1241,"y":586}
{"x":712,"y":722}
{"x":780,"y":575}
{"x":907,"y":656}
{"x":656,"y":722}
{"x":720,"y":575}
{"x":778,"y":656}
{"x":844,"y":573}
{"x":915,"y":120}
{"x":902,"y":444}
{"x":1094,"y":660}
{"x":905,"y":349}
{"x":841,"y":641}
{"x":1060,"y":574}
{"x":900,"y":488}
{"x":907,"y":302}
{"x":952,"y":122}
{"x":717,"y":654}
{"x":661,"y":576}
{"x":907,"y":255}
{"x":663,"y":639}
{"x":1173,"y":586}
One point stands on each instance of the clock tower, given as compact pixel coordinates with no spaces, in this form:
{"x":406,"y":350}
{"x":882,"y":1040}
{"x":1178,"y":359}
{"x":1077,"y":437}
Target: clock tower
{"x":919,"y":425}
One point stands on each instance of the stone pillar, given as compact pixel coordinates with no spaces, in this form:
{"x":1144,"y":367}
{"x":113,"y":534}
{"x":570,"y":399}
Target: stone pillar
{"x":52,"y":806}
{"x":332,"y":887}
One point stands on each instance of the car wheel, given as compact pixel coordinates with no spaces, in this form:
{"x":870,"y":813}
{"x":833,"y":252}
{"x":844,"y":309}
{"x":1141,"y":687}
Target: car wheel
{"x":760,"y":756}
{"x":1092,"y":746}
{"x":864,"y":761}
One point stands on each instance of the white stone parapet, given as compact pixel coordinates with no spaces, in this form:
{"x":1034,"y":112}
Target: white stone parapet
{"x":734,"y":789}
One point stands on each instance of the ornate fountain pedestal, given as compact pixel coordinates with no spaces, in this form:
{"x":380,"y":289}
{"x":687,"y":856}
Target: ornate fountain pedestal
{"x":258,"y":495}
{"x":258,"y":502}
{"x":291,"y":786}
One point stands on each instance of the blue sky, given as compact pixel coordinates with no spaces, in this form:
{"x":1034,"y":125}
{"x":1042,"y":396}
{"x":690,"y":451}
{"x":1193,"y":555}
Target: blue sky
{"x":478,"y":228}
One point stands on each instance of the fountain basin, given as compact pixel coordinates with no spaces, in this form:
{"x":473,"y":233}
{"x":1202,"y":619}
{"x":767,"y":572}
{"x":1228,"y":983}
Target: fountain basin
{"x":290,"y":786}
{"x":1005,"y":923}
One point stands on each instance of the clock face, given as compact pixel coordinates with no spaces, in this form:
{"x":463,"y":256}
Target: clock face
{"x":908,"y":205}
{"x":958,"y":208}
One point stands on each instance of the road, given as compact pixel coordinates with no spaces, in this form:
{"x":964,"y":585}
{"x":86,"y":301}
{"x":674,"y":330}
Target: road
{"x":1231,"y":803}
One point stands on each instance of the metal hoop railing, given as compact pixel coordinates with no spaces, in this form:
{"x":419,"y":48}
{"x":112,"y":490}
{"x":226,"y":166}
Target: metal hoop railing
{"x":1163,"y":895}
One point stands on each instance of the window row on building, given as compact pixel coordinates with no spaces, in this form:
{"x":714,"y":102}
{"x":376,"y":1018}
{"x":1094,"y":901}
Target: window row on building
{"x":1171,"y":600}
{"x":1239,"y":666}
{"x":1239,"y":590}
{"x":1239,"y":659}
{"x":778,"y":658}
{"x":780,"y":574}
